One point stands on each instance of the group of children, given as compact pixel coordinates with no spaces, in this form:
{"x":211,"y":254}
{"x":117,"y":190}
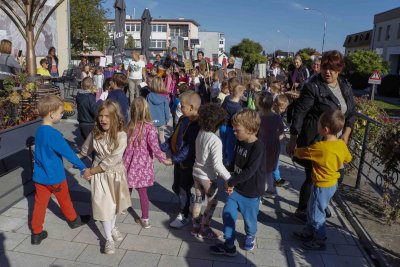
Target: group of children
{"x":225,"y":138}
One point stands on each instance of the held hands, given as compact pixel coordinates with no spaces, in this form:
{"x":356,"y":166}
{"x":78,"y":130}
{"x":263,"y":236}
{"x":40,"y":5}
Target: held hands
{"x":228,"y":189}
{"x":168,"y":162}
{"x":87,"y":174}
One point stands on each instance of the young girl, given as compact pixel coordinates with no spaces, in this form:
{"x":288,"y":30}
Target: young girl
{"x":110,"y":194}
{"x":138,"y":156}
{"x":159,"y":106}
{"x":98,"y":80}
{"x":86,"y":72}
{"x":271,"y":132}
{"x":215,"y":88}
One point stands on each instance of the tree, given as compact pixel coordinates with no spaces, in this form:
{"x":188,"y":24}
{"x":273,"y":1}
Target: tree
{"x":250,"y":51}
{"x":130,"y":42}
{"x":25,"y":14}
{"x":88,"y":26}
{"x":305,"y":55}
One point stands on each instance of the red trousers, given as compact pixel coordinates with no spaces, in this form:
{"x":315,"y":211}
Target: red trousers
{"x":42,"y":197}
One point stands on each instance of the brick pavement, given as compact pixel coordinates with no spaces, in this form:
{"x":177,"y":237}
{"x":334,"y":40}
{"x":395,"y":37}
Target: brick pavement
{"x":163,"y":246}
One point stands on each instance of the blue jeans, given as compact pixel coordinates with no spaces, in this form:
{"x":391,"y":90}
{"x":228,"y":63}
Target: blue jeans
{"x":318,"y":202}
{"x":248,"y":207}
{"x":276,"y":174}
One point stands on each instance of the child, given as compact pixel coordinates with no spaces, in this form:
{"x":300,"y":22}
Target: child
{"x":223,"y":93}
{"x":271,"y":132}
{"x":117,"y":85}
{"x":138,"y":156}
{"x":246,"y":185}
{"x":327,"y":157}
{"x":159,"y":107}
{"x":86,"y":106}
{"x":106,"y":89}
{"x":110,"y":194}
{"x":231,"y":105}
{"x":49,"y":175}
{"x":176,"y":106}
{"x":182,"y":147}
{"x":280,"y":105}
{"x":215,"y":88}
{"x":207,"y":166}
{"x":98,"y":81}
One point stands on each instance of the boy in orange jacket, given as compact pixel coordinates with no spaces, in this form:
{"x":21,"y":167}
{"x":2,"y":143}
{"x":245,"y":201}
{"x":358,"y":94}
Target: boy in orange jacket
{"x":327,"y":157}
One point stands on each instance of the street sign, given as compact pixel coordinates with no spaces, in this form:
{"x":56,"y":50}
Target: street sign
{"x":375,"y":78}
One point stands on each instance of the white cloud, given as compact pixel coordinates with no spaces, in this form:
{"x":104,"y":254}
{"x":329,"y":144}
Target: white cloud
{"x":297,"y":5}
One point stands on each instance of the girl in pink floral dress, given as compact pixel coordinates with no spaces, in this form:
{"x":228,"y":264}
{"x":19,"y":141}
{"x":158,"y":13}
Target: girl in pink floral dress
{"x":138,"y":156}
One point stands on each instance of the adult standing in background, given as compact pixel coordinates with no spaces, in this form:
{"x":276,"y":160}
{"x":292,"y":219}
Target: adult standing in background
{"x":323,"y":92}
{"x":53,"y":62}
{"x":8,"y":64}
{"x":136,"y":74}
{"x":315,"y":69}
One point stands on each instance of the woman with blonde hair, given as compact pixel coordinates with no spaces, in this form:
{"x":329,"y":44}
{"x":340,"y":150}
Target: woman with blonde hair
{"x":8,"y":64}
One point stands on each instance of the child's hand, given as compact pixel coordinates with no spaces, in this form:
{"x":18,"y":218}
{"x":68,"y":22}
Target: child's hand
{"x":168,"y":162}
{"x":228,"y":189}
{"x":87,"y":175}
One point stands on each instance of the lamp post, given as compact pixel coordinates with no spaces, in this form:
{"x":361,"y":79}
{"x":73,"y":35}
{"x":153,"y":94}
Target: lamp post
{"x":288,"y":46}
{"x":323,"y":14}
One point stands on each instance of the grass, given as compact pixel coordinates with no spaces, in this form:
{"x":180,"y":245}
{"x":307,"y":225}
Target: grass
{"x":386,"y":105}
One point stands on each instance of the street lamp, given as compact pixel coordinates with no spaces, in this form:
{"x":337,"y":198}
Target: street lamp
{"x":288,"y":46}
{"x":323,"y":14}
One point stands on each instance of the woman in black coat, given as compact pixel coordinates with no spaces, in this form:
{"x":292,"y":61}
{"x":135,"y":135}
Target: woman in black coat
{"x":323,"y":92}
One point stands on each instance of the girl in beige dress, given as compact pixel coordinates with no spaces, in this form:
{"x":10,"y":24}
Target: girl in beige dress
{"x":110,"y":193}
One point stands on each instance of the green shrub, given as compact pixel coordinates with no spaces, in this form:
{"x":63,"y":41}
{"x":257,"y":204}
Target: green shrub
{"x":390,"y":86}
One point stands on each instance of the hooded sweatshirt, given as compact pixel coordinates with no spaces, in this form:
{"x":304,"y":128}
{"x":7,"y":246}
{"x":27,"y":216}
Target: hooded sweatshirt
{"x":231,"y":109}
{"x":159,"y":108}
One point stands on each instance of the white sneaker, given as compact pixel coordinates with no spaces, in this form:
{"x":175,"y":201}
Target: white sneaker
{"x":109,"y":248}
{"x":269,"y":195}
{"x":179,"y":221}
{"x":116,"y":234}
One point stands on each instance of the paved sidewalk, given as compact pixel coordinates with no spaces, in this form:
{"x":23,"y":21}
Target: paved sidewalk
{"x":163,"y":246}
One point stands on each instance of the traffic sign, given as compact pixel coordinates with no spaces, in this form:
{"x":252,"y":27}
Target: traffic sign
{"x":375,"y":78}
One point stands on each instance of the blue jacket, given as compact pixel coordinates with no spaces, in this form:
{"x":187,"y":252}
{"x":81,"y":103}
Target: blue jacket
{"x":186,"y":133}
{"x":120,"y":97}
{"x":159,"y":108}
{"x":50,"y":148}
{"x":231,"y":109}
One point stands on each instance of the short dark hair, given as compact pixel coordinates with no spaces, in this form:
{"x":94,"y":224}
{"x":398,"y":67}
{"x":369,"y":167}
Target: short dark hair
{"x":200,"y":52}
{"x":43,"y":60}
{"x":333,"y":60}
{"x":120,"y":80}
{"x":211,"y":116}
{"x":332,"y":119}
{"x":265,"y":101}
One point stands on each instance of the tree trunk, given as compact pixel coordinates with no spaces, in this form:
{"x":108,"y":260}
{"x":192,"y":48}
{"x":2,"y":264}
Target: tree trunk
{"x":30,"y":51}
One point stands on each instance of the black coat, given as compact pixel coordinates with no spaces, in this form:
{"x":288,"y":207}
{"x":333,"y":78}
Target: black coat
{"x":302,"y":76}
{"x":86,"y":106}
{"x":316,"y":98}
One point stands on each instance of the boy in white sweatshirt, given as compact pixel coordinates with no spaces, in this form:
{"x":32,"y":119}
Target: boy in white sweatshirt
{"x":207,"y":167}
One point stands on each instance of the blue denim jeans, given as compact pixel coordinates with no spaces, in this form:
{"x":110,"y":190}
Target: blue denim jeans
{"x":318,"y":202}
{"x":276,"y":174}
{"x":248,"y":207}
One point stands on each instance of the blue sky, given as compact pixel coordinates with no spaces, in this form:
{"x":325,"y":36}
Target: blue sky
{"x":259,"y":20}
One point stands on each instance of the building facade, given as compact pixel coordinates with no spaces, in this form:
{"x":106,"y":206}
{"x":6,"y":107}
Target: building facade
{"x":358,"y":41}
{"x":386,"y":37}
{"x":212,"y":44}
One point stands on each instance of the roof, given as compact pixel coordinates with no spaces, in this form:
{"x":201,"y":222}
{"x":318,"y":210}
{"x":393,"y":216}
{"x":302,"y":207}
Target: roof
{"x":387,"y":15}
{"x":92,"y":54}
{"x":358,"y":39}
{"x":154,"y":21}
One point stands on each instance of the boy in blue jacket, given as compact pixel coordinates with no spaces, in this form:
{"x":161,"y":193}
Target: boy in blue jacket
{"x":49,"y":175}
{"x":182,"y":147}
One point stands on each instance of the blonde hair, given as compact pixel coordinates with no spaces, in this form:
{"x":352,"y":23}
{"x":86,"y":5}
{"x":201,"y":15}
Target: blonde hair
{"x":136,"y":56}
{"x":237,"y":90}
{"x":275,"y":88}
{"x":5,"y":46}
{"x":116,"y":124}
{"x":255,"y":84}
{"x":158,"y":86}
{"x":140,"y":114}
{"x":49,"y":103}
{"x":88,"y":84}
{"x":249,"y":119}
{"x":281,"y":100}
{"x":232,"y":83}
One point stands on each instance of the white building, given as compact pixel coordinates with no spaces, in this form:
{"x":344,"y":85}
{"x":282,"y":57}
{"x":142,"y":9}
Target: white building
{"x":386,"y":37}
{"x":212,"y":44}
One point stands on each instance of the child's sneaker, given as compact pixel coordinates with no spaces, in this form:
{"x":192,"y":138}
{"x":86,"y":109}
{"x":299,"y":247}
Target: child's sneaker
{"x":145,"y":223}
{"x":209,"y":233}
{"x":109,"y":247}
{"x":37,"y":239}
{"x":222,"y":249}
{"x":281,"y":182}
{"x":314,"y":244}
{"x":195,"y":229}
{"x":180,"y":221}
{"x":79,"y":221}
{"x":249,"y":242}
{"x":300,"y":215}
{"x":269,"y":195}
{"x":116,"y":234}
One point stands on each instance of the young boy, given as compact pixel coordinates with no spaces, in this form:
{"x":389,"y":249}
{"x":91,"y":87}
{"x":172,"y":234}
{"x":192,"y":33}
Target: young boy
{"x":182,"y":147}
{"x":118,"y":83}
{"x":49,"y":176}
{"x":207,"y":166}
{"x":86,"y":106}
{"x":247,"y":184}
{"x":327,"y":157}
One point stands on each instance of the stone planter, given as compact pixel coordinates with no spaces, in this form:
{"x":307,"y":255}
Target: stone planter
{"x":17,"y":138}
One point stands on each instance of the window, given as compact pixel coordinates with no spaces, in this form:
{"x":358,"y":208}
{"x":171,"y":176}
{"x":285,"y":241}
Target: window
{"x":186,"y":44}
{"x":127,"y":27}
{"x":111,"y":27}
{"x":387,"y":36}
{"x":221,"y":42}
{"x":158,"y":44}
{"x":379,"y":33}
{"x":398,"y":32}
{"x":179,"y":30}
{"x":159,"y":28}
{"x":367,"y":36}
{"x":361,"y":37}
{"x":138,"y":43}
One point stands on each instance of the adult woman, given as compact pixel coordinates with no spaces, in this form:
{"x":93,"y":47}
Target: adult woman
{"x":323,"y":92}
{"x":52,"y":59}
{"x":298,"y":74}
{"x":8,"y":64}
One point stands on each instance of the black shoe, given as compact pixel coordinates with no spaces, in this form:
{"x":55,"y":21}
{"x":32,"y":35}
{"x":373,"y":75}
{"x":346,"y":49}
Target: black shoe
{"x":328,"y":212}
{"x":300,"y":215}
{"x":222,"y":249}
{"x":37,"y":239}
{"x":281,"y":182}
{"x":79,"y":221}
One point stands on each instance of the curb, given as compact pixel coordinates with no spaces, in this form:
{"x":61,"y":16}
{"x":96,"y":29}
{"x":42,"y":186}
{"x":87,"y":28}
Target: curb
{"x":366,"y":240}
